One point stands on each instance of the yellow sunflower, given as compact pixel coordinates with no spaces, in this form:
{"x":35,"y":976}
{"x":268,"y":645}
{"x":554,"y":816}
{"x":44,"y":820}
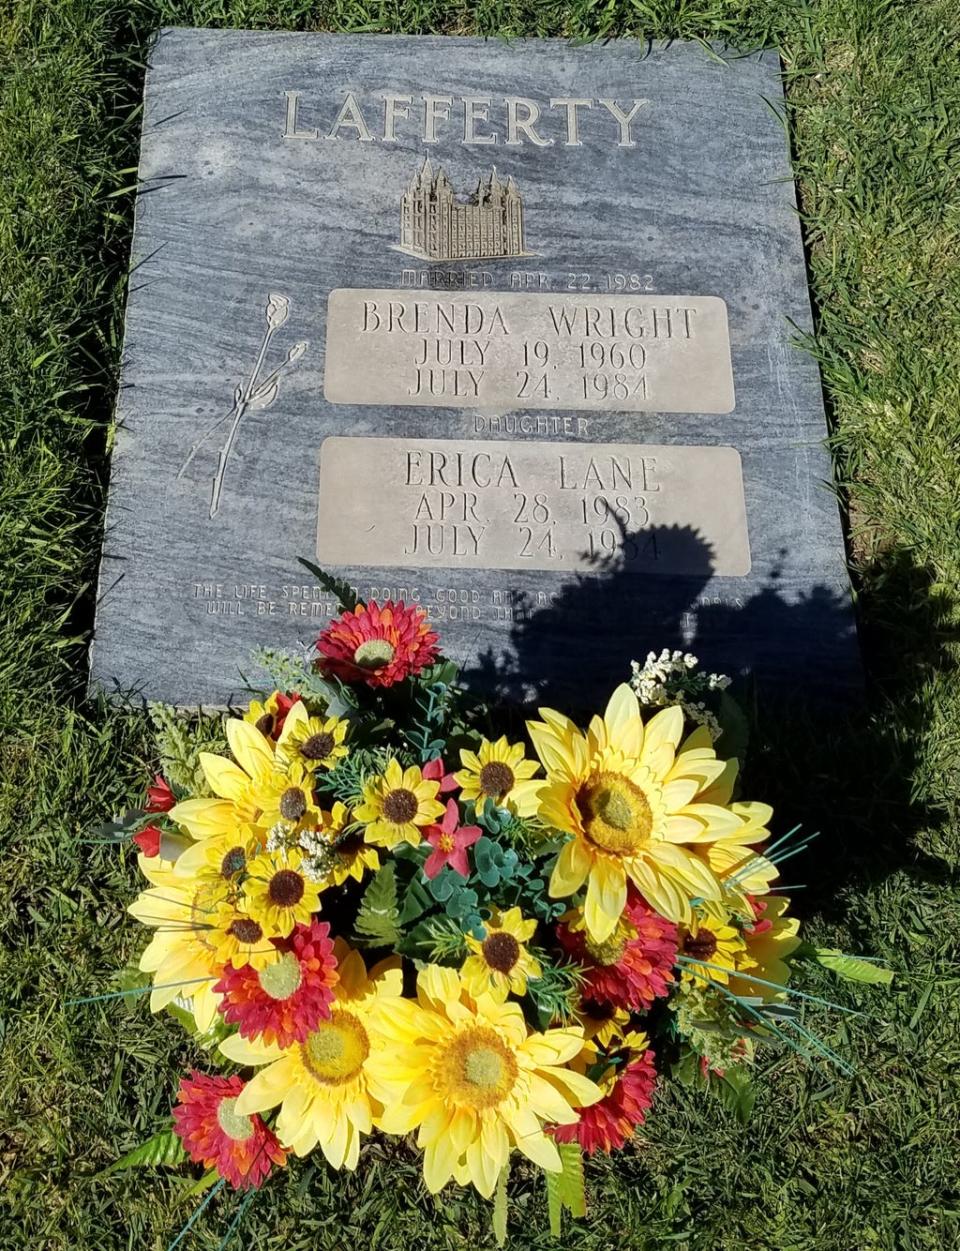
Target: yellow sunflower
{"x":264,"y":715}
{"x":322,"y":1085}
{"x":500,"y":771}
{"x":767,"y":944}
{"x":397,"y":805}
{"x":602,"y":1031}
{"x":222,"y":857}
{"x":242,"y":940}
{"x":336,"y":850}
{"x":500,"y":962}
{"x":475,"y":1082}
{"x":713,"y":940}
{"x":286,"y":797}
{"x":234,"y":784}
{"x":278,"y":893}
{"x":183,"y":954}
{"x":741,"y":869}
{"x":633,"y":805}
{"x":315,"y":742}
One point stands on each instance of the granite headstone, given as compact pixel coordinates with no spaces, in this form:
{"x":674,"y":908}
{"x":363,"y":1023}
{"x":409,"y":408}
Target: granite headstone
{"x":504,"y":330}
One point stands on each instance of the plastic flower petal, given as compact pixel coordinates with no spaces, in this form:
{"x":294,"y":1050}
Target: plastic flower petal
{"x":500,"y":963}
{"x":234,"y":783}
{"x":160,"y":798}
{"x":182,"y":956}
{"x":379,"y":646}
{"x":313,"y":742}
{"x":285,"y":1000}
{"x":500,"y":771}
{"x":450,"y":842}
{"x":278,"y":893}
{"x":436,"y":771}
{"x":473,"y":1081}
{"x":241,"y":1148}
{"x":634,"y":965}
{"x":269,"y":717}
{"x":633,"y":804}
{"x":397,"y":805}
{"x":718,"y":944}
{"x":628,"y":1094}
{"x":768,"y":943}
{"x":148,"y":840}
{"x":322,"y":1084}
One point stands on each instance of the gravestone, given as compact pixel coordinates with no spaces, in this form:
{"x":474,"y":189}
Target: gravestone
{"x":504,"y":330}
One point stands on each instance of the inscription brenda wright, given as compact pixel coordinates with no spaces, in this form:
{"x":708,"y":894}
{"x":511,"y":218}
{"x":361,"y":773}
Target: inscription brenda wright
{"x":514,"y":505}
{"x":504,"y":350}
{"x":504,"y":331}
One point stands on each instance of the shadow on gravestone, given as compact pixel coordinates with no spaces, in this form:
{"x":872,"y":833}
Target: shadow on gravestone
{"x":585,"y":636}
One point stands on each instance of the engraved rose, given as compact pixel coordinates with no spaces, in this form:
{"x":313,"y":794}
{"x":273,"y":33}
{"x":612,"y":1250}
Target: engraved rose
{"x":278,"y":310}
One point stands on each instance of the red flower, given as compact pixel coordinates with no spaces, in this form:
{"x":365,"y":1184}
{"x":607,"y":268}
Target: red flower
{"x":760,"y":924}
{"x":635,"y":965}
{"x":606,"y":1126}
{"x":436,"y":771}
{"x":241,"y":1148}
{"x":378,"y":646}
{"x":450,"y":842}
{"x":148,"y":840}
{"x":284,"y":704}
{"x":284,"y":1002}
{"x":160,"y":798}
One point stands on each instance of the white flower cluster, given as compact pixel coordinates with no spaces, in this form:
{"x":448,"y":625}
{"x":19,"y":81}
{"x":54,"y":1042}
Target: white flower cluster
{"x":281,"y":837}
{"x":320,"y":854}
{"x":670,"y":678}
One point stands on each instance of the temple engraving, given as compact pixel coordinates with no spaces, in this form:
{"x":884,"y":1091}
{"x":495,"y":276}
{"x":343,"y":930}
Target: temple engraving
{"x":437,"y":226}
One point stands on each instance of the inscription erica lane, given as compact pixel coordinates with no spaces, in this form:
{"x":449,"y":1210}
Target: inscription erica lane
{"x":511,"y":350}
{"x":415,"y":503}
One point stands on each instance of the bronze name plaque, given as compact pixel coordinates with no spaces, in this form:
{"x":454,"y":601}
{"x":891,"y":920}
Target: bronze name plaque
{"x":502,"y":350}
{"x":454,"y":503}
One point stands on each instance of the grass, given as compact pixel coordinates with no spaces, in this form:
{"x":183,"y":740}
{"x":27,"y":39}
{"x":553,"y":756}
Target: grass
{"x":827,"y":1162}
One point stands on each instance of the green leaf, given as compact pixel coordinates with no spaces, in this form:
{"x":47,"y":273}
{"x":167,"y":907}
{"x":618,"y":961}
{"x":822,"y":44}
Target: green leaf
{"x":736,"y":1091}
{"x":554,"y":1206}
{"x":376,"y":923}
{"x":416,"y":901}
{"x":851,"y":968}
{"x":572,"y":1193}
{"x":336,"y":586}
{"x":500,"y":1207}
{"x":163,"y":1148}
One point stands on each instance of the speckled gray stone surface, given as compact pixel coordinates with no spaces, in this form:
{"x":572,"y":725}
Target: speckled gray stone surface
{"x":233,"y":215}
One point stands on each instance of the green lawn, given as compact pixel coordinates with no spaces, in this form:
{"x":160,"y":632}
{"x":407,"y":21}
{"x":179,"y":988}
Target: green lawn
{"x":827,"y":1162}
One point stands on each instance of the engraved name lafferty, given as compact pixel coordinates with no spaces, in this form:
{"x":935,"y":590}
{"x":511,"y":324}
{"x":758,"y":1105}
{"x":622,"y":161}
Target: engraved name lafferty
{"x":477,"y":121}
{"x":511,"y":350}
{"x":443,"y":503}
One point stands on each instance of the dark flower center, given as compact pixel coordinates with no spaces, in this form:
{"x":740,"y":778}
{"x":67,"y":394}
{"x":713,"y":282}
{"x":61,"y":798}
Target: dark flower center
{"x":400,"y":806}
{"x":286,"y":888}
{"x":501,"y":951}
{"x":496,"y":778}
{"x":246,"y":931}
{"x":265,"y":724}
{"x":700,"y":947}
{"x":233,"y":862}
{"x":293,"y":803}
{"x":318,"y":746}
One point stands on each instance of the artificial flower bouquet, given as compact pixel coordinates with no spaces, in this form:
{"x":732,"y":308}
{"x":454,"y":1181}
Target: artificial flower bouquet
{"x":377,"y":914}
